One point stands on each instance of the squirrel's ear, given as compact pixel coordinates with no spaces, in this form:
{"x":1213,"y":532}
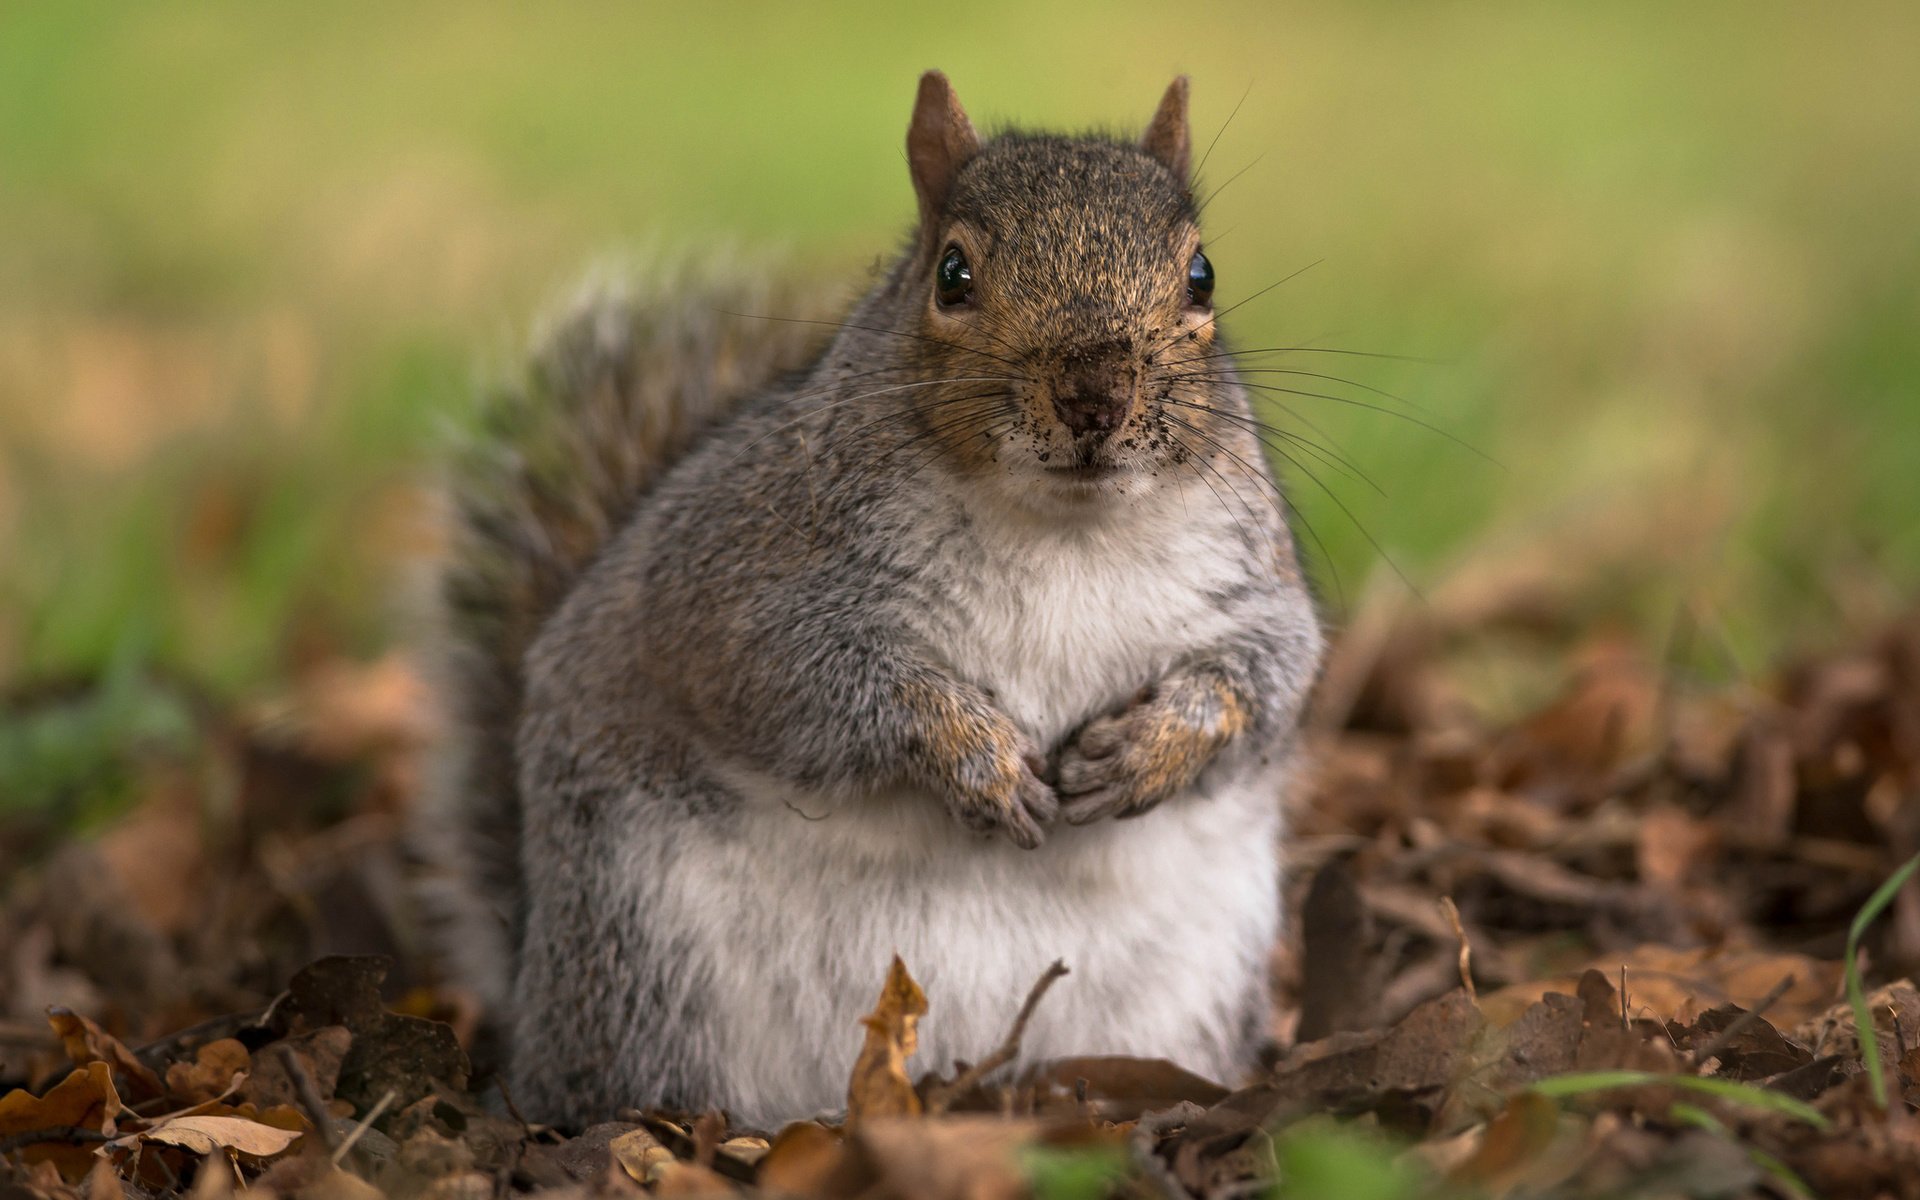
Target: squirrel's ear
{"x":1166,"y":139}
{"x":939,"y":142}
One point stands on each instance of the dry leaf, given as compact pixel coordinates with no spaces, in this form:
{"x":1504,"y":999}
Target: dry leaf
{"x":103,"y":1182}
{"x":957,"y":1158}
{"x":880,"y":1085}
{"x":1670,"y":984}
{"x":804,"y":1157}
{"x":319,"y":1054}
{"x":211,"y":1074}
{"x":676,"y":1178}
{"x":83,"y":1100}
{"x":204,"y":1134}
{"x":86,"y":1042}
{"x":639,"y":1154}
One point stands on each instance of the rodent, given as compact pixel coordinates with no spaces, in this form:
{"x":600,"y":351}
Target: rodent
{"x":980,"y":637}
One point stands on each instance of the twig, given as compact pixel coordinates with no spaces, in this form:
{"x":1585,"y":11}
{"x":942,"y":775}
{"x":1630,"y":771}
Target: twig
{"x":1466,"y":950}
{"x":1145,"y":1154}
{"x":1625,"y":1022}
{"x":1741,"y":1023}
{"x":366,"y":1122}
{"x":60,"y":1133}
{"x":941,"y":1096}
{"x":513,"y":1110}
{"x":308,"y":1094}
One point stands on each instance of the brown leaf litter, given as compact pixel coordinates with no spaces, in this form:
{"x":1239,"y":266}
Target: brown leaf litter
{"x":1588,"y":943}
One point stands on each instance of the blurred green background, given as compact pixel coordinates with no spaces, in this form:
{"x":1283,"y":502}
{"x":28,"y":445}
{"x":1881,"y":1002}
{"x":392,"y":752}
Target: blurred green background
{"x":1661,"y":261}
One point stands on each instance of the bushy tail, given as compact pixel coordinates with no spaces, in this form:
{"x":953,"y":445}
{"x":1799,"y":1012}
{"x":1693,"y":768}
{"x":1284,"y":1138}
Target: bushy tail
{"x":617,"y":389}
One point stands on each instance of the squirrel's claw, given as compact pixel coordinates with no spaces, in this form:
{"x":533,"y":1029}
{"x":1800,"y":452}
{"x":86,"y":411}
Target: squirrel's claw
{"x":1124,"y":764}
{"x":1029,"y":806}
{"x":1099,"y":775}
{"x":1012,"y":799}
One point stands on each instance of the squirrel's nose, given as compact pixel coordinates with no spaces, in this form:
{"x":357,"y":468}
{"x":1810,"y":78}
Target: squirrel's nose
{"x":1094,"y":402}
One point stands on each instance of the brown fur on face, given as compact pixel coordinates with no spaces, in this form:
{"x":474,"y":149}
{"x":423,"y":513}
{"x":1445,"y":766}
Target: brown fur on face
{"x":1068,"y":355}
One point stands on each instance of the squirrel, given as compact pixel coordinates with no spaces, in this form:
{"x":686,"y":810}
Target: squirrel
{"x":976,"y":634}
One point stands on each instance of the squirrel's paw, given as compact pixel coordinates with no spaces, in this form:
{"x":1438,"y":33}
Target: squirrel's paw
{"x":998,"y":789}
{"x":1124,"y":764}
{"x":1019,"y":808}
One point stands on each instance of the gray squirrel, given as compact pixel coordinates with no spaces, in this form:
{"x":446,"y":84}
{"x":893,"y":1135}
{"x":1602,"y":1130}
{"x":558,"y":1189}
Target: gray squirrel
{"x":978,"y":636}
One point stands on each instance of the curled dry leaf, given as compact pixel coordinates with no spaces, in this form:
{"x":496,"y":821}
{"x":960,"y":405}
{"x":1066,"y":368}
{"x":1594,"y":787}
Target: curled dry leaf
{"x":639,"y":1154}
{"x":86,"y":1042}
{"x":880,"y":1085}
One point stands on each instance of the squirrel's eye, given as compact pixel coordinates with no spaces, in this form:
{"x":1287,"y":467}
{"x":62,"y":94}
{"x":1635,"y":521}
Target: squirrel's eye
{"x":1199,"y":281}
{"x":953,"y":280}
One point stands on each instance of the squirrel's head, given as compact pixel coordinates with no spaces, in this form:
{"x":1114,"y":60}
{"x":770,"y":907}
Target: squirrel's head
{"x":1060,"y":284}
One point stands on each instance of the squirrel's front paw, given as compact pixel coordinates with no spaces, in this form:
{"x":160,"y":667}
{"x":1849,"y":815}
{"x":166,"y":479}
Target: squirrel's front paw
{"x":1019,"y":806}
{"x":1123,"y":764}
{"x":977,"y":760}
{"x":995,"y":786}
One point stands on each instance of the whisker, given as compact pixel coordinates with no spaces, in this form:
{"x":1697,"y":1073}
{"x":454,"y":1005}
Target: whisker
{"x":918,"y":337}
{"x":1280,"y":506}
{"x":1355,"y":383}
{"x":1240,"y":353}
{"x":1253,"y":543}
{"x":1187,"y":333}
{"x":844,"y":400}
{"x":872,"y":468}
{"x":924,"y":408}
{"x":1223,"y":128}
{"x":1261,"y":428}
{"x":1348,"y":400}
{"x":1214,"y":194}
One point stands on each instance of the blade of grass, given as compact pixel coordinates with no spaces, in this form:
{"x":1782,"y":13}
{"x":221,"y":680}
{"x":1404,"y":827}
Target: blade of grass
{"x":1744,"y":1094}
{"x":1788,"y":1179}
{"x":1856,"y":994}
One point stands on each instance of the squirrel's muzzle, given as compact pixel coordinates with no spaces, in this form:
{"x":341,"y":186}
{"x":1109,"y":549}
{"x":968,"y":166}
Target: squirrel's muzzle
{"x":1093,"y":400}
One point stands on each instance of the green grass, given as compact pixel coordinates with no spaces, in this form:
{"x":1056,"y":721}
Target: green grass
{"x":1863,"y":1018}
{"x":1660,"y":263}
{"x":1732,"y":1091}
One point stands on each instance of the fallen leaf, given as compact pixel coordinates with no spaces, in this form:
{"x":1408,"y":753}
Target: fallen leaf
{"x":408,"y":1056}
{"x":1116,"y":1088}
{"x":1673,"y":846}
{"x":83,"y":1100}
{"x":959,"y":1158}
{"x":205,"y":1134}
{"x":211,"y":1074}
{"x":86,"y":1042}
{"x":1667,"y":983}
{"x":675,"y":1178}
{"x":1518,"y":1135}
{"x":638,"y":1153}
{"x":103,"y":1182}
{"x":319,"y":1054}
{"x":880,"y":1085}
{"x":804,"y":1157}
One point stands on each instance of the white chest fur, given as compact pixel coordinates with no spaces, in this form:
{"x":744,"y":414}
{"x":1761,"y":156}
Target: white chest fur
{"x":1071,"y":620}
{"x":1164,"y":921}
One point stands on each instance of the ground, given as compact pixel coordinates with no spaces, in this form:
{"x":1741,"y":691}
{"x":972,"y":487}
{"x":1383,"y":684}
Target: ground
{"x":1606,"y":948}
